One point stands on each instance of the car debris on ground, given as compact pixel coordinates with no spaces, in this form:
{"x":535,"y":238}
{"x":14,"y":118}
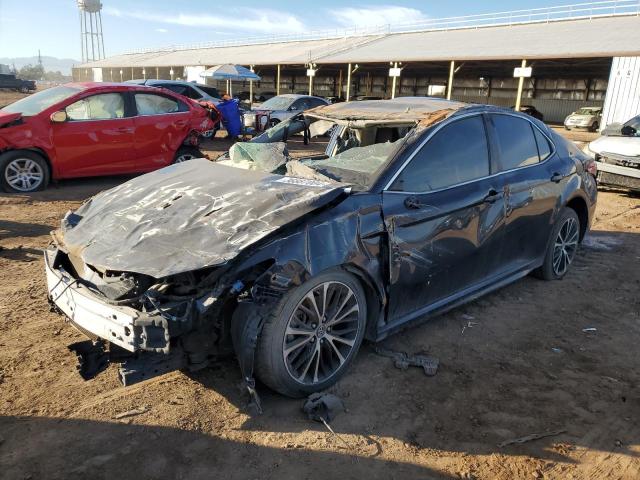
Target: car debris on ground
{"x":403,"y":361}
{"x":529,"y":438}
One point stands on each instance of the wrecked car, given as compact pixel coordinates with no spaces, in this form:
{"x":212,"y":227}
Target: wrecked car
{"x":617,"y":153}
{"x":416,"y":206}
{"x":92,"y":129}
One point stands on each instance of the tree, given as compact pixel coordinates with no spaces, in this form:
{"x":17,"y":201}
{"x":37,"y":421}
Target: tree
{"x":31,"y":72}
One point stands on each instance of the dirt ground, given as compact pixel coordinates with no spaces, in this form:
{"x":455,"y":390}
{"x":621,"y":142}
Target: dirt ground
{"x":514,"y":363}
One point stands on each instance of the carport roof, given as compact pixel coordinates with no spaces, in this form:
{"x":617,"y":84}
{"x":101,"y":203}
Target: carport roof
{"x":580,"y":38}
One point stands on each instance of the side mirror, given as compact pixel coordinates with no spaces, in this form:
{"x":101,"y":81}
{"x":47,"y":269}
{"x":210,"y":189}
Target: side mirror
{"x":59,"y":116}
{"x":628,"y":131}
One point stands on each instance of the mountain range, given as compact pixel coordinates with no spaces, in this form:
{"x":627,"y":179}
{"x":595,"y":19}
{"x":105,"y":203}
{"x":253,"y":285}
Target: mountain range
{"x":51,"y":64}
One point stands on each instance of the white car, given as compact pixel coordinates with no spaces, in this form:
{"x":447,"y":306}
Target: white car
{"x":585,"y":117}
{"x":617,"y":153}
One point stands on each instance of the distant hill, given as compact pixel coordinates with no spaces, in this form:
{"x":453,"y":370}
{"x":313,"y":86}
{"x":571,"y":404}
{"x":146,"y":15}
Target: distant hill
{"x":51,"y":64}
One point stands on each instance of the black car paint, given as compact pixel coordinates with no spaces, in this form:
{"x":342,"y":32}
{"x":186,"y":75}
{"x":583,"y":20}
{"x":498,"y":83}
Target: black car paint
{"x":453,"y":246}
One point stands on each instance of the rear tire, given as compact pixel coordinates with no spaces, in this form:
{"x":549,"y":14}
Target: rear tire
{"x":185,"y":153}
{"x":561,"y":247}
{"x":23,"y":172}
{"x":326,"y":318}
{"x":595,"y":127}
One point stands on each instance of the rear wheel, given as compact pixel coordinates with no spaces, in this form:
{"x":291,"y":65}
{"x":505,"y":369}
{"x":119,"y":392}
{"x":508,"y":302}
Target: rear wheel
{"x":184,"y":154}
{"x":562,"y":246}
{"x":23,"y":172}
{"x":595,"y":127}
{"x":313,"y":335}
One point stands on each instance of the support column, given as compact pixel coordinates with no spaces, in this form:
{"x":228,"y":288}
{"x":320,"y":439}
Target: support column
{"x":157,"y":72}
{"x":250,"y":89}
{"x":452,"y":69}
{"x":520,"y":87}
{"x":393,"y":82}
{"x":348,"y":82}
{"x":278,"y":81}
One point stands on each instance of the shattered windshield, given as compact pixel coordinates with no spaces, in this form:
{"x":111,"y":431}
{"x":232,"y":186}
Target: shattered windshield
{"x":587,"y":111}
{"x":277,"y":103}
{"x":354,"y":154}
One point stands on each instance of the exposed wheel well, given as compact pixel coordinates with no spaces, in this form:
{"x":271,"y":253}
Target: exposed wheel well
{"x":33,"y":150}
{"x":374,"y":302}
{"x":580,"y":207}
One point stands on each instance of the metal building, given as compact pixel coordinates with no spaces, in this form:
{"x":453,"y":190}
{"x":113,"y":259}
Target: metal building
{"x":578,"y":55}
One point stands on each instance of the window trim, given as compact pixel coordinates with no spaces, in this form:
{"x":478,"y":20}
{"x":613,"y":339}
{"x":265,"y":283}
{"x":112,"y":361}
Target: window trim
{"x":439,"y":127}
{"x":490,"y":141}
{"x":159,"y":94}
{"x":532,"y":124}
{"x":124,"y":100}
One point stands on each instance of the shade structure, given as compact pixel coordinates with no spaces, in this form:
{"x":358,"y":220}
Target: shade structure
{"x":230,"y":72}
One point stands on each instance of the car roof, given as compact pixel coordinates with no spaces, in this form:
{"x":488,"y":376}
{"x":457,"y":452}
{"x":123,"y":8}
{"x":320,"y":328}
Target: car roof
{"x":408,"y":109}
{"x":297,"y":95}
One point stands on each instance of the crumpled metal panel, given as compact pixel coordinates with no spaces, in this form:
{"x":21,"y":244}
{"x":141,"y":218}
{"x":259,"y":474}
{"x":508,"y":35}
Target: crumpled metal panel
{"x":187,"y":216}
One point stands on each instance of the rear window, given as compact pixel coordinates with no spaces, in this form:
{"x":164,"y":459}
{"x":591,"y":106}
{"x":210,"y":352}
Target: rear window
{"x":516,"y":141}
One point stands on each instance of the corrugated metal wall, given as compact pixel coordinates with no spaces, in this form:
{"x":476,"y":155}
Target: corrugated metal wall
{"x":623,"y":95}
{"x":554,"y":110}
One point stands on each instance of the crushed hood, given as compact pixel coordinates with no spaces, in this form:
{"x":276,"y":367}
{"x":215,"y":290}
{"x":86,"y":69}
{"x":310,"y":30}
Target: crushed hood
{"x":626,"y":146}
{"x":187,"y":216}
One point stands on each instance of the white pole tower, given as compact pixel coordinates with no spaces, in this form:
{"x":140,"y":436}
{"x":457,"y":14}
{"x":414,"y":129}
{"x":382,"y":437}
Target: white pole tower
{"x":91,"y":38}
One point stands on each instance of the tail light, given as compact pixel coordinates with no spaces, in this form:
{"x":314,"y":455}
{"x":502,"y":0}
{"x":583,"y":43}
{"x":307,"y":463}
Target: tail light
{"x":592,"y":167}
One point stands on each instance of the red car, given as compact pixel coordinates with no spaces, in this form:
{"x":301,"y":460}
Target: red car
{"x":91,"y":129}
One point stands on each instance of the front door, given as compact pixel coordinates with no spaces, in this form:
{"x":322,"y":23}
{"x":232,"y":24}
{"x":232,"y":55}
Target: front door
{"x":96,"y":139}
{"x":444,"y":214}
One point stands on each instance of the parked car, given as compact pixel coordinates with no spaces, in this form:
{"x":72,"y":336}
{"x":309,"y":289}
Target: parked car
{"x":531,"y":111}
{"x":90,"y":129}
{"x":417,"y":206}
{"x":280,"y":108}
{"x":9,"y":81}
{"x":192,"y":90}
{"x":617,"y":153}
{"x":585,"y":117}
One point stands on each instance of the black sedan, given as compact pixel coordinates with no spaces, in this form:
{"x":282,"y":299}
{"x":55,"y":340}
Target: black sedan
{"x":417,"y":206}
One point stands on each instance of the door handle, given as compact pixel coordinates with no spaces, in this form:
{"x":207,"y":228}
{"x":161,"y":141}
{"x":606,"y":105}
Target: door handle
{"x":556,"y":177}
{"x":124,"y":130}
{"x":493,"y":196}
{"x":412,"y":202}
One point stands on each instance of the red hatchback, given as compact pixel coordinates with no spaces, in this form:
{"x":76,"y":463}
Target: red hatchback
{"x":91,"y":129}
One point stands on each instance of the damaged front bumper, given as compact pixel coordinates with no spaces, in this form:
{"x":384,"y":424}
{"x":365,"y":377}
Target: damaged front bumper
{"x":120,"y":325}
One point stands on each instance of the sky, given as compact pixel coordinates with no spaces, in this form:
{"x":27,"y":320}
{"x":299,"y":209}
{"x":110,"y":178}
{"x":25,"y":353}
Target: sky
{"x":53,"y":25}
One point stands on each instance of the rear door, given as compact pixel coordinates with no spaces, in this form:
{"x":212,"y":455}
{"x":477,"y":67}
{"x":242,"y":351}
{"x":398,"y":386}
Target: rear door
{"x":161,"y":125}
{"x":535,"y":177}
{"x":97,"y":138}
{"x":444,"y":213}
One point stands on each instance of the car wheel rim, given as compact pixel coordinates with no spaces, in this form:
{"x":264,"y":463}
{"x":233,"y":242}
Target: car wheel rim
{"x":185,"y":157}
{"x":321,"y":333}
{"x":23,"y":174}
{"x":565,"y":246}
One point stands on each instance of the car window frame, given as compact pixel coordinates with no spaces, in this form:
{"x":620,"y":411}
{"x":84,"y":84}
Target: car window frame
{"x":494,"y":139}
{"x":127,"y":112}
{"x":428,"y":137}
{"x":160,"y":94}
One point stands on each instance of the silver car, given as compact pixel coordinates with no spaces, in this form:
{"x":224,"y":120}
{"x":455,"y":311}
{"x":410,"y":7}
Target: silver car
{"x":280,"y":108}
{"x":195,"y":91}
{"x":585,"y":117}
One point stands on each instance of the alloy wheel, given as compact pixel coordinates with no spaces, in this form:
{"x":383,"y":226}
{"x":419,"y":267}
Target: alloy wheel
{"x":565,"y":246}
{"x":321,"y":333}
{"x":185,"y":157}
{"x":23,"y":174}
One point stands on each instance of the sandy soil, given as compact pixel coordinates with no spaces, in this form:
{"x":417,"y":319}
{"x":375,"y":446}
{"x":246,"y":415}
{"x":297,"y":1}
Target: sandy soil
{"x":514,"y":363}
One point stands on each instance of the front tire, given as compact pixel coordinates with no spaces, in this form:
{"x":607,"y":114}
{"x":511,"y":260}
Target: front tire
{"x":23,"y":172}
{"x":595,"y":127}
{"x":313,"y":335}
{"x":562,"y":246}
